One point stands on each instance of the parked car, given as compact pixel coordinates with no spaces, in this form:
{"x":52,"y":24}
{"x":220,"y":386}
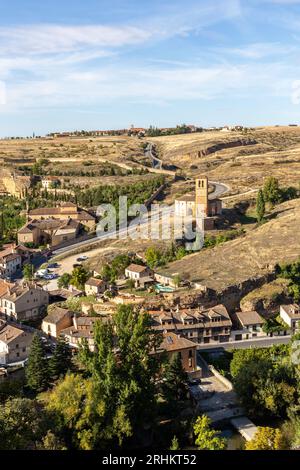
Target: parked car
{"x":49,"y":277}
{"x":41,"y":273}
{"x":82,"y":258}
{"x":194,"y":381}
{"x":53,"y":266}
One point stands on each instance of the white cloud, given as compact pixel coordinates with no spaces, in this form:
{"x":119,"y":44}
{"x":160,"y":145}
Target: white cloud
{"x":51,"y":39}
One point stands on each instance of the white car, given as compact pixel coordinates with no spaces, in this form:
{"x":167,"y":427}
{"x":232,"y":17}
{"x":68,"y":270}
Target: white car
{"x":82,"y":258}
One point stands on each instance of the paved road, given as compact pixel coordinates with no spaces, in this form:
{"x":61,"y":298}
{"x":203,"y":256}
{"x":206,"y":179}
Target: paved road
{"x":246,"y":344}
{"x":220,"y":189}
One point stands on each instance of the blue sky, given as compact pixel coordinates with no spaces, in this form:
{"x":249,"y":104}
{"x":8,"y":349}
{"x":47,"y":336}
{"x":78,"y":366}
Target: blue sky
{"x":99,"y":64}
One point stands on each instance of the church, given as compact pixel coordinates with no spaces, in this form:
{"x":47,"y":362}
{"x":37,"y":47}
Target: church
{"x":199,"y":204}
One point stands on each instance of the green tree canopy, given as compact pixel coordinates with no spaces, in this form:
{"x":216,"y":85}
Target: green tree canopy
{"x":61,"y":361}
{"x":206,"y":437}
{"x":79,"y":277}
{"x":36,"y":370}
{"x":260,"y":206}
{"x":265,"y":439}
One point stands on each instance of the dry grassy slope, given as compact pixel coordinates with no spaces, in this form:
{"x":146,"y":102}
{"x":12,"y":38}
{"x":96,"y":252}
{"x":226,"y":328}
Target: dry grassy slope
{"x":118,"y":149}
{"x":250,"y":256}
{"x":277,"y":152}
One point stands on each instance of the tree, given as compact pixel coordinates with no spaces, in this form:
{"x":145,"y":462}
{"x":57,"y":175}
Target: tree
{"x":79,"y":277}
{"x":22,"y":424}
{"x":260,"y":206}
{"x":130,"y":284}
{"x":177,"y":280}
{"x":28,"y":272}
{"x":153,"y":257}
{"x":122,"y":383}
{"x":264,"y":382}
{"x":265,"y":439}
{"x":107,"y":406}
{"x":207,"y":438}
{"x":175,"y":384}
{"x":61,"y":361}
{"x":271,"y":190}
{"x":64,"y":281}
{"x":37,"y":369}
{"x":52,"y":442}
{"x":175,"y":444}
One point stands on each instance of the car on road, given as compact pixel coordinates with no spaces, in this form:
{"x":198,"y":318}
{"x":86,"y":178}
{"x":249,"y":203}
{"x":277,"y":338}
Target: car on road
{"x":82,"y":258}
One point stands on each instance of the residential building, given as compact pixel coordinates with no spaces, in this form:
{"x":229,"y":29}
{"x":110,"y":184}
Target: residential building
{"x":81,"y":330}
{"x":249,"y":325}
{"x":290,"y":314}
{"x":10,"y":262}
{"x":56,"y":321}
{"x":141,"y":275}
{"x":49,"y":182}
{"x":25,"y":301}
{"x":200,"y":325}
{"x":175,"y":344}
{"x":51,"y":232}
{"x":15,"y":342}
{"x":66,"y":210}
{"x":95,"y":286}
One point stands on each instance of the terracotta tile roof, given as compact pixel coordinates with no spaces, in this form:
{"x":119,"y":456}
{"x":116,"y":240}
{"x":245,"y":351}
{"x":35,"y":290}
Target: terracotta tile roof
{"x":136,"y":268}
{"x":292,"y":310}
{"x":173,"y":342}
{"x":57,"y":315}
{"x":92,"y":281}
{"x":4,"y":286}
{"x":9,"y":333}
{"x":250,"y":318}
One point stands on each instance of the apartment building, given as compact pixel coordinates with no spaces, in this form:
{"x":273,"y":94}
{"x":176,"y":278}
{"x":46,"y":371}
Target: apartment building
{"x":25,"y":301}
{"x":200,"y":325}
{"x":10,"y":263}
{"x":15,"y":342}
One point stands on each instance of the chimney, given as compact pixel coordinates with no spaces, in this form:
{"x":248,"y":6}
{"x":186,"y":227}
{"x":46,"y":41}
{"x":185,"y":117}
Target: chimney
{"x":75,"y":323}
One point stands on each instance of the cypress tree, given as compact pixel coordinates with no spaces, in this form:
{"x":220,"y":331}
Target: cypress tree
{"x":37,"y":369}
{"x":61,"y":361}
{"x":176,"y":377}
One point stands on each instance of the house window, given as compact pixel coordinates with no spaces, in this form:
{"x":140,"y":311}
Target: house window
{"x":190,"y":362}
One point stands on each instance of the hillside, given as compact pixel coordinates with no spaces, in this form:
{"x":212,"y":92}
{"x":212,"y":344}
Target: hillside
{"x":241,"y":160}
{"x":251,"y":256}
